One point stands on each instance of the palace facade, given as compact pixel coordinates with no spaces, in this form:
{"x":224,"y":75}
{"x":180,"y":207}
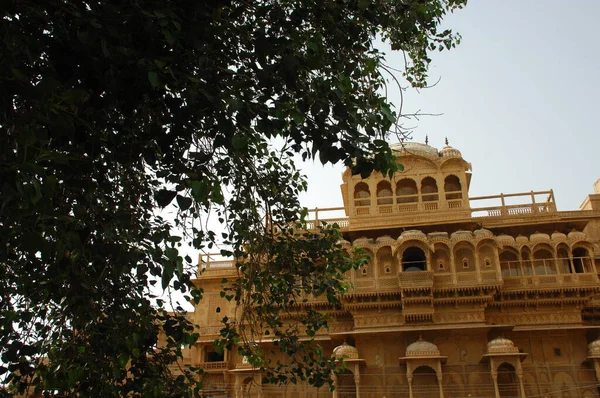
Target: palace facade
{"x":494,"y":296}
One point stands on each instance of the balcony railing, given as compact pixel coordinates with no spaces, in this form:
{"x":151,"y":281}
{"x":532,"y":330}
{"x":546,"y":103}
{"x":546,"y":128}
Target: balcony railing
{"x":548,"y":272}
{"x":501,"y":205}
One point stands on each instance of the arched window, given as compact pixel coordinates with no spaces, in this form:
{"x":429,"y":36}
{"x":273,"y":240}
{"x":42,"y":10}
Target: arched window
{"x":218,"y":310}
{"x":543,"y":262}
{"x":581,"y":260}
{"x":509,"y":263}
{"x":464,"y":257}
{"x":413,"y":259}
{"x":406,"y":191}
{"x":362,"y":195}
{"x":429,"y":190}
{"x":385,"y":195}
{"x":452,"y":187}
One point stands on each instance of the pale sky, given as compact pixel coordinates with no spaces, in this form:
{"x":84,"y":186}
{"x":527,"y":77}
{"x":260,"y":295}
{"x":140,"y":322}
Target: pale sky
{"x":518,"y":97}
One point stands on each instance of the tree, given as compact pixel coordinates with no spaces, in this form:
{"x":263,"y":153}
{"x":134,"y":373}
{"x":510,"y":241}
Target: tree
{"x":110,"y":110}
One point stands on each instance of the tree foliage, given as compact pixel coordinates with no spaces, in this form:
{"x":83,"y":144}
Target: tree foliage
{"x":110,"y":110}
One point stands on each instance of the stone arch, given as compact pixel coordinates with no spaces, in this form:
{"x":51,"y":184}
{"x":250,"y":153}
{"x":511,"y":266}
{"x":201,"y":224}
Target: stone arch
{"x":414,"y":258}
{"x":362,"y":194}
{"x":508,"y":384}
{"x":425,"y":382}
{"x":543,"y":259}
{"x":387,"y":263}
{"x":346,"y":384}
{"x":441,"y":258}
{"x":385,"y":195}
{"x":509,"y":261}
{"x":429,"y":189}
{"x":367,"y":270}
{"x":486,"y":253}
{"x":452,"y":187}
{"x":580,"y":253}
{"x":564,"y":385}
{"x":406,"y":191}
{"x":464,"y":256}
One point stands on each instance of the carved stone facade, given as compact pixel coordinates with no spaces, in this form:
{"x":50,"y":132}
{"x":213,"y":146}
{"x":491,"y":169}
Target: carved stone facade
{"x":494,"y":296}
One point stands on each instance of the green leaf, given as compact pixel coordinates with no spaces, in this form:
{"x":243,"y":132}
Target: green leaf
{"x":164,"y":197}
{"x":184,"y":202}
{"x":153,"y":79}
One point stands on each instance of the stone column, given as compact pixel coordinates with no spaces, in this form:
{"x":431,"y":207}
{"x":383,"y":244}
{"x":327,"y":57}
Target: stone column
{"x":495,"y":378}
{"x":452,"y":266}
{"x":520,"y":377}
{"x":410,"y":391}
{"x":335,"y":386}
{"x":439,"y":377}
{"x":237,"y":387}
{"x":357,"y":379}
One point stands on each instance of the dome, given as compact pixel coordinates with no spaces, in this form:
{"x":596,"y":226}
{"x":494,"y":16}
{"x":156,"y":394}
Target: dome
{"x":500,"y":345}
{"x":449,"y":152}
{"x":505,"y":239}
{"x":422,"y":348}
{"x":384,"y":238}
{"x":458,"y":235}
{"x":559,"y":236}
{"x":483,"y":233}
{"x":539,"y":237}
{"x":416,"y":148}
{"x":345,"y":351}
{"x":576,"y":235}
{"x":522,"y":240}
{"x":594,"y":348}
{"x":412,"y":234}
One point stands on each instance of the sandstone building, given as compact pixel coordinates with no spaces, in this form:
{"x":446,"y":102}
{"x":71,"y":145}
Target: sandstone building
{"x":494,"y":296}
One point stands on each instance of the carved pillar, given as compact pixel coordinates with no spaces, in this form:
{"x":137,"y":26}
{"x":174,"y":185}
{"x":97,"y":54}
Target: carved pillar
{"x":373,"y":191}
{"x":495,"y":379}
{"x":452,"y":265}
{"x":410,"y":391}
{"x":357,"y":379}
{"x":520,"y":377}
{"x":477,"y":265}
{"x":439,"y":377}
{"x":237,"y":387}
{"x":571,"y":265}
{"x":335,"y":385}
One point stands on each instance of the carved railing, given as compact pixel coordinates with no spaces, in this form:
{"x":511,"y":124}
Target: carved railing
{"x":415,"y":279}
{"x":557,"y":280}
{"x":530,"y":206}
{"x":387,"y":282}
{"x":220,"y":365}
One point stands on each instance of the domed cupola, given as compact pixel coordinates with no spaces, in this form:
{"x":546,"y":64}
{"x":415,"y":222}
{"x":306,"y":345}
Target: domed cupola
{"x":500,"y":345}
{"x":345,"y":351}
{"x":594,"y":348}
{"x":449,"y":152}
{"x":422,"y":348}
{"x":415,"y":148}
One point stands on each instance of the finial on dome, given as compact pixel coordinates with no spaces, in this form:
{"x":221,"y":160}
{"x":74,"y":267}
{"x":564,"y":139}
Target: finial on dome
{"x":426,"y":139}
{"x":420,"y":337}
{"x":447,"y":141}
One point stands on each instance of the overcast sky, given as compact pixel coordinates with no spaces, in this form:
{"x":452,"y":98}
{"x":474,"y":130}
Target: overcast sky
{"x":518,"y":97}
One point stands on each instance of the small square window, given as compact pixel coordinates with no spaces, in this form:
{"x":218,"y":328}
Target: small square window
{"x":364,"y":271}
{"x":441,"y":266}
{"x":557,"y":352}
{"x":488,"y":263}
{"x":465,"y":263}
{"x":388,"y":270}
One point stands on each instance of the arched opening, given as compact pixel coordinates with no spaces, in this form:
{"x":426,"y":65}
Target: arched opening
{"x":429,"y":190}
{"x":441,"y":259}
{"x":406,"y":191}
{"x":487,"y":255}
{"x":543,"y":262}
{"x":509,"y":263}
{"x":387,"y":263}
{"x":507,"y":381}
{"x":346,"y":384}
{"x":464,"y":258}
{"x":384,"y":193}
{"x":562,"y":259}
{"x":452,"y":187}
{"x":218,"y":310}
{"x":425,"y":383}
{"x":413,"y":259}
{"x":362,"y":195}
{"x":581,"y":260}
{"x":211,"y":355}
